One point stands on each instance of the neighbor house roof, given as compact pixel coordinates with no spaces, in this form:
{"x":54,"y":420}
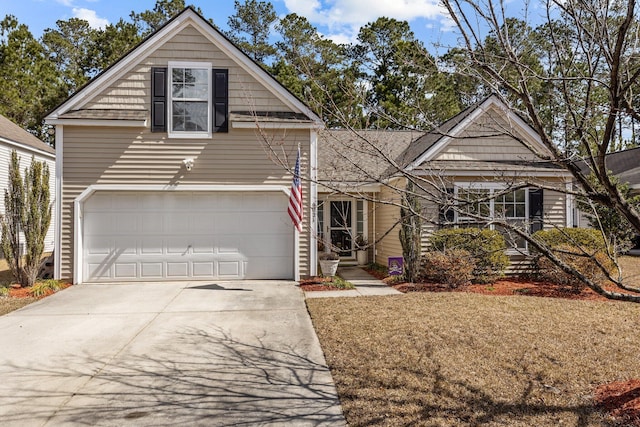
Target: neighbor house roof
{"x":350,"y":156}
{"x":14,"y":134}
{"x":625,"y":165}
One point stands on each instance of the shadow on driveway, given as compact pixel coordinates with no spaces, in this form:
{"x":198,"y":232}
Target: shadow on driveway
{"x":214,"y":379}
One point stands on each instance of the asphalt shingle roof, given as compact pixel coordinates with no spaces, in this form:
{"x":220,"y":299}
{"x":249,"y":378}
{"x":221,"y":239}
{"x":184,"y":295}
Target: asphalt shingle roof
{"x":13,"y":132}
{"x":359,"y":156}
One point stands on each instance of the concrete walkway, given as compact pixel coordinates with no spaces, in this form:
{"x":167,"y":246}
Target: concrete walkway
{"x":166,"y":354}
{"x":366,"y":285}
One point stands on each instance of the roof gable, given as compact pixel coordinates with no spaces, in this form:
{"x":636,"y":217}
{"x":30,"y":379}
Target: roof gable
{"x":14,"y":135}
{"x":187,"y":18}
{"x":490,"y":120}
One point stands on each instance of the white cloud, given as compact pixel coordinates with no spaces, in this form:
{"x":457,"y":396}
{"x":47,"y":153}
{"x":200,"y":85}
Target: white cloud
{"x":343,"y":18}
{"x":90,"y":16}
{"x":68,"y":3}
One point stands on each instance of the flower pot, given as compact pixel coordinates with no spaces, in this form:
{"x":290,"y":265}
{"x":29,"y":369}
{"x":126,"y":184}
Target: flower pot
{"x":329,"y":267}
{"x":361,"y":257}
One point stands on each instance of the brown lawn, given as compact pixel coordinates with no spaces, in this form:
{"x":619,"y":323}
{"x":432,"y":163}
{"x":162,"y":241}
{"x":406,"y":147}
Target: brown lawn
{"x":467,"y":359}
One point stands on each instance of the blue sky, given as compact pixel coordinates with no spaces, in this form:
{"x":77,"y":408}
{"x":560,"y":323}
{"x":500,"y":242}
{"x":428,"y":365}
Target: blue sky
{"x":336,"y":19}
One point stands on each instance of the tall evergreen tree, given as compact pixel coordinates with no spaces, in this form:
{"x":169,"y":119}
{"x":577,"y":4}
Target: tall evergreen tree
{"x":30,"y":84}
{"x":250,"y":28}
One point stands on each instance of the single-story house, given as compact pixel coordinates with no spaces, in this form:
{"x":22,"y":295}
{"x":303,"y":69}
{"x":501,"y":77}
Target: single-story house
{"x":28,"y":146}
{"x":484,"y":150}
{"x":176,"y":164}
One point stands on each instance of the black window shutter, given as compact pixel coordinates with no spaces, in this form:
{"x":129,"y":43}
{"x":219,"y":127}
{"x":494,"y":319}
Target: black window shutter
{"x":535,"y":208}
{"x":220,"y":100}
{"x":158,"y":99}
{"x":446,"y":214}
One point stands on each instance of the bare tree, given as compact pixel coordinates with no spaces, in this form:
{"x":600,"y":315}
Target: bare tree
{"x":593,"y":65}
{"x":588,"y":72}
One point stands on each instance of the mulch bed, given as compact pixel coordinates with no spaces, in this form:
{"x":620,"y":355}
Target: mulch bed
{"x":509,"y":286}
{"x":16,"y":291}
{"x":621,"y":400}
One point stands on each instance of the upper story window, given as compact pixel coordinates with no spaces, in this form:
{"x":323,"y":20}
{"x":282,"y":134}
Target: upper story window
{"x":189,"y":106}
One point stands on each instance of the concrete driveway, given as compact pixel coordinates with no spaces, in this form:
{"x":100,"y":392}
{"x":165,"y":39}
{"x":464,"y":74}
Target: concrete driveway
{"x":215,"y":354}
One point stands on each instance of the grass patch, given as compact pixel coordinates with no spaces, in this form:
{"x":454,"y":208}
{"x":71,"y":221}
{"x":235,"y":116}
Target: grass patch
{"x":456,"y":359}
{"x":339,"y":283}
{"x":7,"y":305}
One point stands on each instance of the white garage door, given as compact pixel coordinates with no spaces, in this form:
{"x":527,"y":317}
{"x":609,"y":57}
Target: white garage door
{"x":186,"y":236}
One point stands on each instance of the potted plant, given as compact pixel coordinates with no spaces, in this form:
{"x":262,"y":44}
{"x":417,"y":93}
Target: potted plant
{"x":361,"y":249}
{"x":329,"y":263}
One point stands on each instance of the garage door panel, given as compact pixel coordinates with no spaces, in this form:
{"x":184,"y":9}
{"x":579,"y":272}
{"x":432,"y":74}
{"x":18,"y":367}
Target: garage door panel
{"x":177,"y":201}
{"x":263,"y":267}
{"x":181,"y":236}
{"x":176,"y":224}
{"x":201,"y":223}
{"x":278,"y":247}
{"x":126,"y":270}
{"x":125,"y":245}
{"x":177,"y":245}
{"x":203,"y":269}
{"x":101,"y":246}
{"x":202,"y":245}
{"x":229,"y":269}
{"x":151,"y":223}
{"x":125,"y":223}
{"x":151,"y":270}
{"x":151,"y":245}
{"x":126,"y":200}
{"x":178,"y":270}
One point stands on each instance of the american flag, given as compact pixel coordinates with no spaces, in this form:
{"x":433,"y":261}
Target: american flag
{"x":295,"y":200}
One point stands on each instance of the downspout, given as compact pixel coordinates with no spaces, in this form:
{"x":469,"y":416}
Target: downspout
{"x":57,"y":244}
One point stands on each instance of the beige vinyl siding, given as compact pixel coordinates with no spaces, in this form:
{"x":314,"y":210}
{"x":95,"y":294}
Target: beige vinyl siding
{"x":25,"y":161}
{"x":132,"y":91}
{"x":555,"y":209}
{"x":386,"y":229}
{"x":486,"y":140}
{"x":103,"y":155}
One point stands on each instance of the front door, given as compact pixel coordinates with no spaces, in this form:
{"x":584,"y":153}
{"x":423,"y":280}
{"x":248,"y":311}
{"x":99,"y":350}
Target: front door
{"x":341,"y":227}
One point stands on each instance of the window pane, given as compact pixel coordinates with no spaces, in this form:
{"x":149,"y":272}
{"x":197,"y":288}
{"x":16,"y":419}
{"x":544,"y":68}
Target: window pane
{"x":508,"y":197}
{"x":520,"y":211}
{"x":341,"y":214}
{"x":190,"y":83}
{"x":509,"y":211}
{"x":520,"y":196}
{"x":190,"y":116}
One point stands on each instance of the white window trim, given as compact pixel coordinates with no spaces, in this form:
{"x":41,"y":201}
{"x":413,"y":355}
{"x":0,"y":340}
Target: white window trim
{"x":183,"y":134}
{"x":326,"y":220}
{"x":493,"y":187}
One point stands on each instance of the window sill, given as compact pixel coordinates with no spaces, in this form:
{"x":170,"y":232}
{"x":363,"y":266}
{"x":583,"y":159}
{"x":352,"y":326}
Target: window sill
{"x":189,"y":135}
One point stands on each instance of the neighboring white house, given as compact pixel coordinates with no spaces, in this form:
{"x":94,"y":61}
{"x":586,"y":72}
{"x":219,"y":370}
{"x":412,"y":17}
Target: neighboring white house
{"x":13,"y":137}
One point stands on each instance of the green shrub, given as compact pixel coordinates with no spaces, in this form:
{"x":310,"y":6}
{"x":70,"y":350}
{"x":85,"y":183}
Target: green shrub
{"x":581,"y":248}
{"x":452,"y":267}
{"x":43,"y":288}
{"x":587,"y":238}
{"x":4,"y":291}
{"x":486,"y":247}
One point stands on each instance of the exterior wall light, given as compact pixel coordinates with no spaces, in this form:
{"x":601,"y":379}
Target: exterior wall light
{"x":188,"y":163}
